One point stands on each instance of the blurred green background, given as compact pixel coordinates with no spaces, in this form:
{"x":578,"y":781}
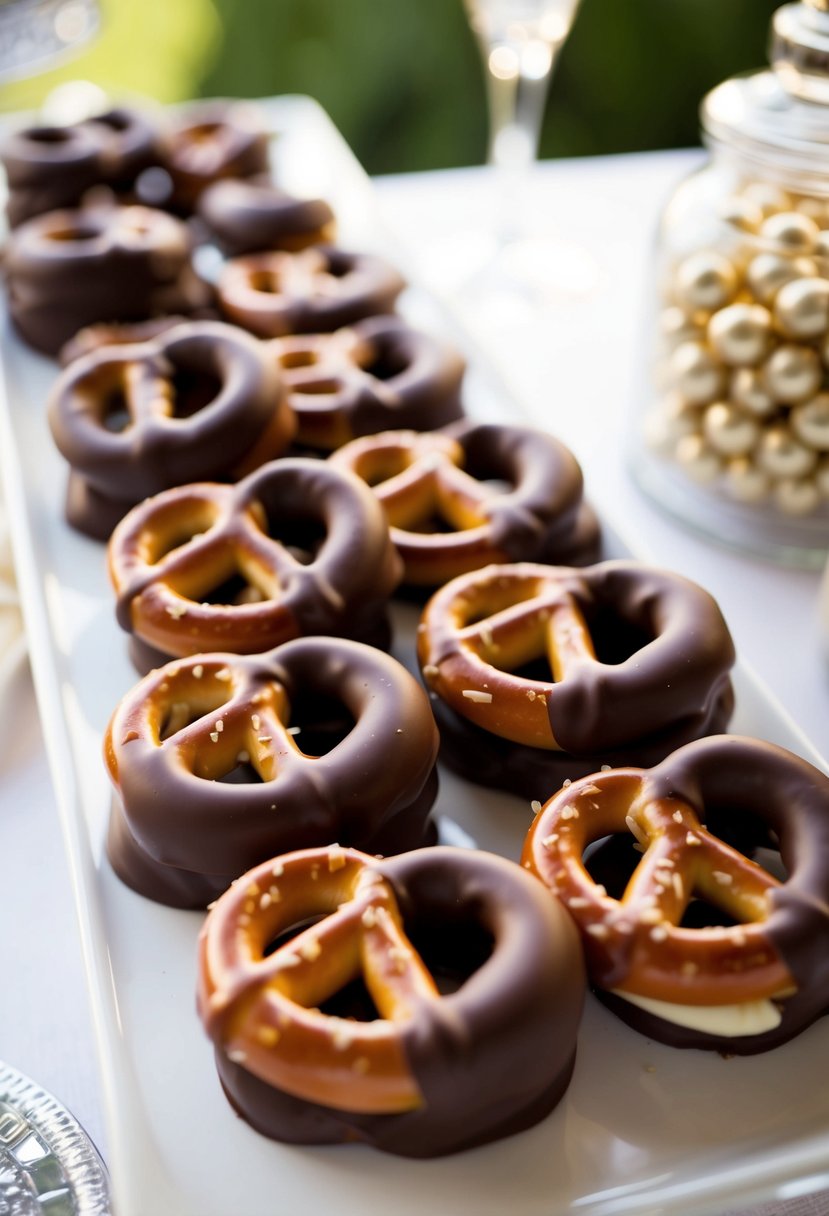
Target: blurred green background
{"x":403,"y":79}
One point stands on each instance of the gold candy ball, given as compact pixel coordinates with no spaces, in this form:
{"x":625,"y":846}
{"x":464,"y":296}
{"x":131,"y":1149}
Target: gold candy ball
{"x":768,"y":272}
{"x":810,"y":422}
{"x":815,"y":208}
{"x":728,"y":430}
{"x":705,"y":281}
{"x":791,"y":231}
{"x":742,"y":213}
{"x":697,"y":458}
{"x":740,"y":334}
{"x":747,"y":388}
{"x":695,"y":373}
{"x":797,"y":496}
{"x":767,"y":197}
{"x":783,"y":456}
{"x":801,"y":308}
{"x":744,"y":482}
{"x":792,"y":373}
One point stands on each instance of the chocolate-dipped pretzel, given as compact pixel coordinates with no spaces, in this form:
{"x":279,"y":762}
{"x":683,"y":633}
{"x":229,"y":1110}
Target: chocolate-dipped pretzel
{"x":221,"y":761}
{"x":375,"y":375}
{"x":317,"y":290}
{"x":199,"y":401}
{"x":476,"y":988}
{"x":540,"y":673}
{"x":478,"y":495}
{"x":254,"y":215}
{"x":51,"y":168}
{"x":748,"y":977}
{"x":68,"y":269}
{"x":629,"y":649}
{"x":210,"y":143}
{"x":295,"y":548}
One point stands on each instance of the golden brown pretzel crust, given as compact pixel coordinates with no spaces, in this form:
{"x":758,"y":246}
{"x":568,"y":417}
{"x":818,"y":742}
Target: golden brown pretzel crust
{"x":481,"y":628}
{"x":637,"y":944}
{"x":446,"y":515}
{"x":173,"y":552}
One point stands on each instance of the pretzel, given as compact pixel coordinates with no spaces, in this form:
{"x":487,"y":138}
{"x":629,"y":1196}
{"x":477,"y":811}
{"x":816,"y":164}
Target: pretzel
{"x":317,"y":290}
{"x":212,"y":143}
{"x":253,"y":215}
{"x":49,"y":168}
{"x":451,"y":1070}
{"x":201,"y":400}
{"x":67,"y":269}
{"x":294,"y":548}
{"x":335,"y":738}
{"x":631,"y":651}
{"x":378,"y":373}
{"x":446,"y":515}
{"x":637,"y":945}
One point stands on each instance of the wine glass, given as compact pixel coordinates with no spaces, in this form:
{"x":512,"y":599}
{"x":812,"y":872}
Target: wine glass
{"x":520,"y":41}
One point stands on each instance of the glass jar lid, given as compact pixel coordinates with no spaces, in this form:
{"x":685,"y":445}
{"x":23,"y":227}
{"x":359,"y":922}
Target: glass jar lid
{"x":780,"y":117}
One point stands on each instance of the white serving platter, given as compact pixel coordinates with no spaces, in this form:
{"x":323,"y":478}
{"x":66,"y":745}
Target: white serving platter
{"x":642,"y":1129}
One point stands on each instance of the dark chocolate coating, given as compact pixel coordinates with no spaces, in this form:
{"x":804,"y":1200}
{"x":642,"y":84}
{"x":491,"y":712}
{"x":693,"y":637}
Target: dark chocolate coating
{"x":210,"y":143}
{"x":254,"y":215}
{"x":339,"y":586}
{"x":68,"y":269}
{"x":317,"y":290}
{"x":787,"y":794}
{"x":93,"y":337}
{"x":180,"y":839}
{"x":536,"y":773}
{"x":199,"y":398}
{"x":50,"y":168}
{"x":490,"y":1059}
{"x":378,"y":374}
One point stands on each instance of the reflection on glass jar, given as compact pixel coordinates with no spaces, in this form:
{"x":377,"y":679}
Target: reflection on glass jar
{"x":734,"y":435}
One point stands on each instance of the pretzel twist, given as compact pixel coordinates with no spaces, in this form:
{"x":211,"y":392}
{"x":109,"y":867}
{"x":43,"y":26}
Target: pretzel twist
{"x":337,"y":738}
{"x":377,"y":374}
{"x":476,"y":496}
{"x":253,"y":214}
{"x":479,"y":630}
{"x":317,"y":290}
{"x":198,"y":401}
{"x":637,"y":944}
{"x":172,"y":552}
{"x":429,"y":1055}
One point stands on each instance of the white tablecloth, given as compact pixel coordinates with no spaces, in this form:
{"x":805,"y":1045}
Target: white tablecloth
{"x":574,"y":368}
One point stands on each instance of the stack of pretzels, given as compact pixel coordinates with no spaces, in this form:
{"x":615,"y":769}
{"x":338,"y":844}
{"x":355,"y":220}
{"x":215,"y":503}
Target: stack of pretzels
{"x":273,"y":457}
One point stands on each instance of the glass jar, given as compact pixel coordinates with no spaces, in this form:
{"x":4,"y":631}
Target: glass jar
{"x":733,"y":436}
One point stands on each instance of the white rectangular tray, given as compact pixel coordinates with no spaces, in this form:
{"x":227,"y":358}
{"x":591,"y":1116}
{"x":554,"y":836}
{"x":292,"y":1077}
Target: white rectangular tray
{"x":643,"y":1129}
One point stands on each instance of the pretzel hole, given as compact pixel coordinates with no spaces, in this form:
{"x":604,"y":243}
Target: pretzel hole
{"x":352,"y":1001}
{"x":452,"y":947}
{"x":384,"y":362}
{"x":338,"y":264}
{"x":615,"y":638}
{"x":324,"y":387}
{"x":49,"y":135}
{"x":74,"y":233}
{"x":243,"y":773}
{"x":320,"y":721}
{"x":234,"y":590}
{"x":115,"y":122}
{"x":172,"y":534}
{"x":266,"y":281}
{"x":116,"y":412}
{"x":298,"y":358}
{"x":302,"y":535}
{"x":193,"y":389}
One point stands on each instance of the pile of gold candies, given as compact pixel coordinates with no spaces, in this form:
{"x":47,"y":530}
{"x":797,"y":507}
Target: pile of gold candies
{"x":743,"y":371}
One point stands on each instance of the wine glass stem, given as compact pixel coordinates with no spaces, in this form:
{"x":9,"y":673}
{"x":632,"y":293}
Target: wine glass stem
{"x":517,"y":86}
